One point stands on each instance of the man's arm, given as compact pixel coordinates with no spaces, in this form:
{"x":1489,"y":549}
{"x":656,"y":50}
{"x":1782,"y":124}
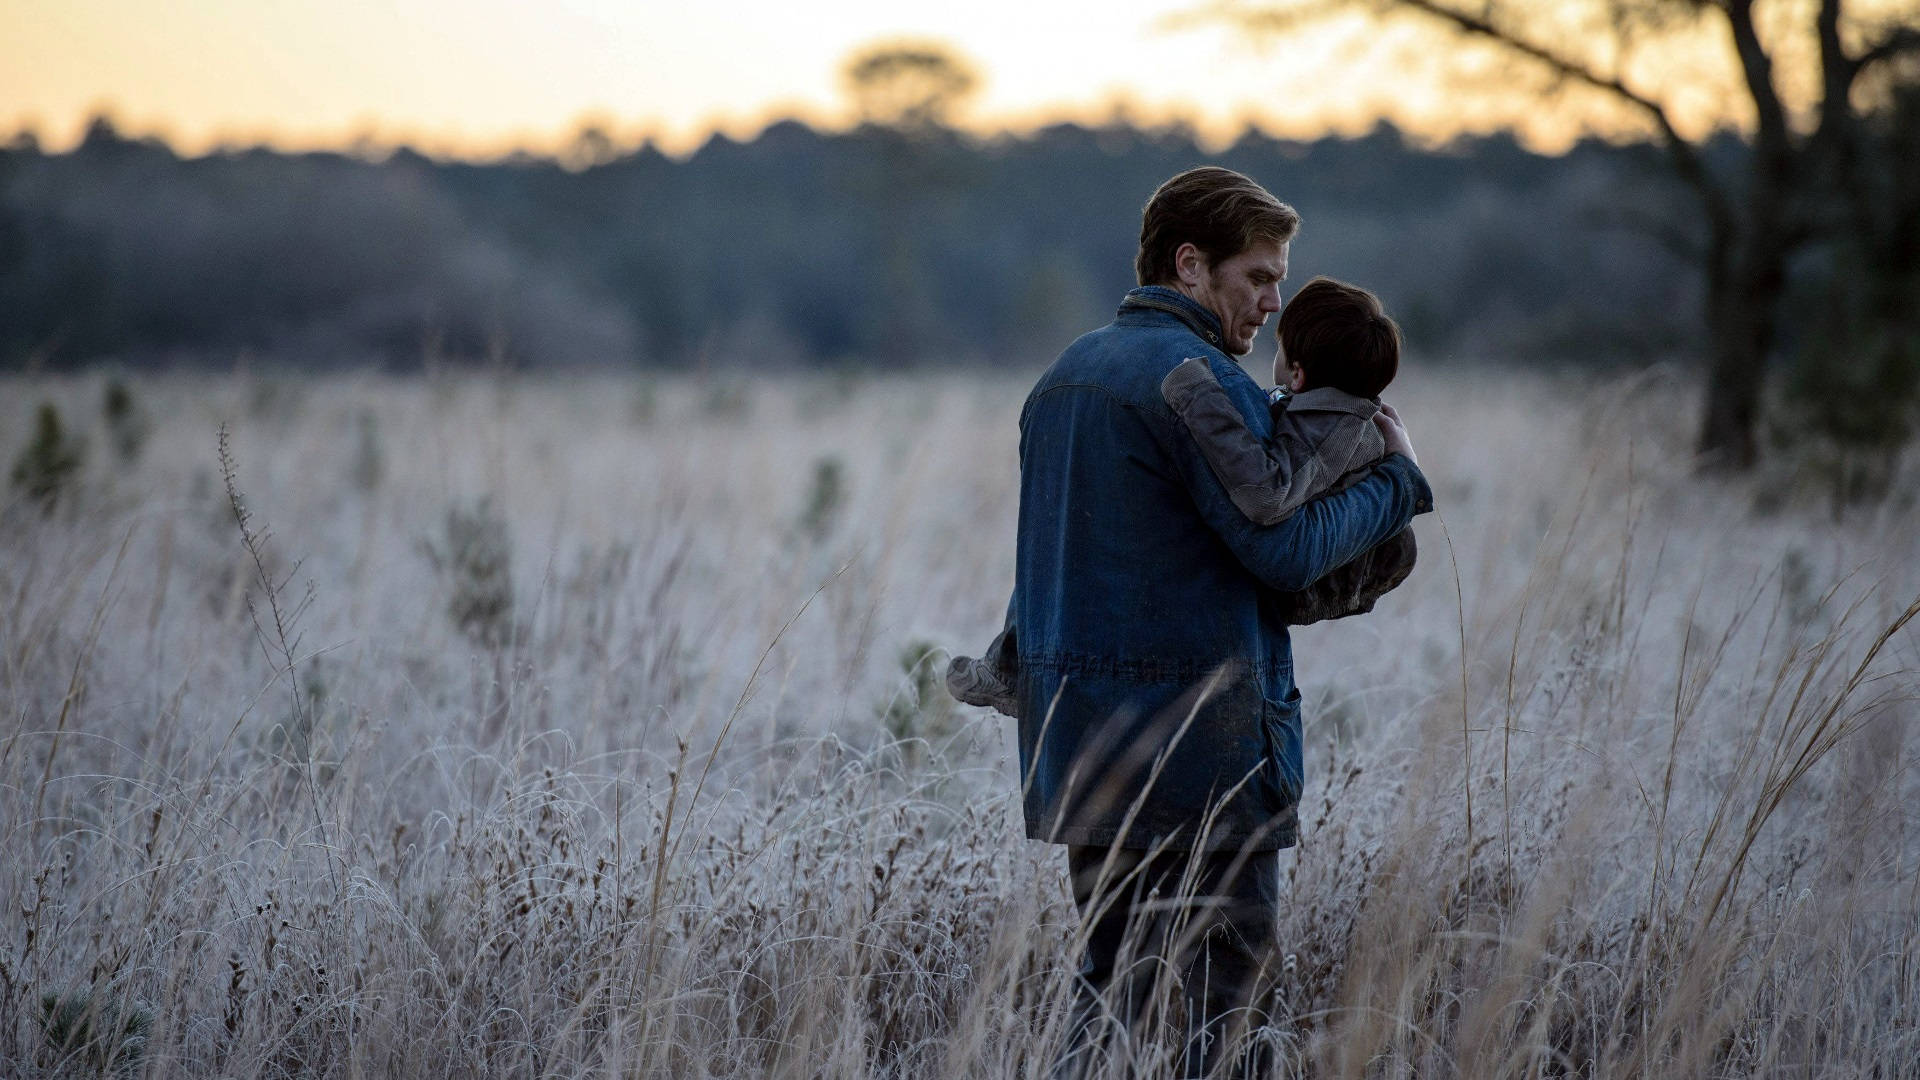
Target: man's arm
{"x":1320,"y":535}
{"x":1268,"y":479}
{"x":1325,"y":533}
{"x":1352,"y":588}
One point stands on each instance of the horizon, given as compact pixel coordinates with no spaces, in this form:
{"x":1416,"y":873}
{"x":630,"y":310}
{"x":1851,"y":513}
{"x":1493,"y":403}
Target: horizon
{"x":1217,"y":138}
{"x":486,"y":79}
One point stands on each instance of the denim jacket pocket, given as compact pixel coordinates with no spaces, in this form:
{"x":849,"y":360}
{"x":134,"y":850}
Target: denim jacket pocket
{"x":1282,"y":771}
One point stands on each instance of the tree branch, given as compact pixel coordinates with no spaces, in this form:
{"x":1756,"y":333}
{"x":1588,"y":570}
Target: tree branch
{"x":1899,"y":40}
{"x":1685,"y":155}
{"x":1757,"y":66}
{"x":1833,"y":149}
{"x":1836,"y":67}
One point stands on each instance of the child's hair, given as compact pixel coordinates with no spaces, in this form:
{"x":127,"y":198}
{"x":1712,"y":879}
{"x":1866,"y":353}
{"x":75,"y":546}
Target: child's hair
{"x":1339,"y":336}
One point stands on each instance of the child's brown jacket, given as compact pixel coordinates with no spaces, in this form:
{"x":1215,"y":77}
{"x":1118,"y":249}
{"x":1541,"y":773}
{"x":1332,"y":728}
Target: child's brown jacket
{"x":1323,"y":440}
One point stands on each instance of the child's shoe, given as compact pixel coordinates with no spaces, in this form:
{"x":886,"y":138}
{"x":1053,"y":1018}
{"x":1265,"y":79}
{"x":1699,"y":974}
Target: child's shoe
{"x":975,"y":682}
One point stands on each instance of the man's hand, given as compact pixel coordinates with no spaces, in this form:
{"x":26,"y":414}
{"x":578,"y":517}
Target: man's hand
{"x":1398,"y":442}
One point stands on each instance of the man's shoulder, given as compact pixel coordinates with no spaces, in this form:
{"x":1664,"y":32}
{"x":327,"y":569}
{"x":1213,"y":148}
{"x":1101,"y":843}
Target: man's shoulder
{"x":1128,"y":362}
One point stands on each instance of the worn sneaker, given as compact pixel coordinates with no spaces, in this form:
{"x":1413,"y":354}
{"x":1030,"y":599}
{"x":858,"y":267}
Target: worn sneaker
{"x":975,"y":682}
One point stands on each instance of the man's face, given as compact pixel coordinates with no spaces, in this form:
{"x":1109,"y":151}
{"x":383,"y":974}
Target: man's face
{"x":1242,"y":290}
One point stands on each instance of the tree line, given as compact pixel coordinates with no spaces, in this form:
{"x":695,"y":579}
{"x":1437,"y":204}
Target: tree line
{"x":887,"y":244}
{"x":798,"y":247}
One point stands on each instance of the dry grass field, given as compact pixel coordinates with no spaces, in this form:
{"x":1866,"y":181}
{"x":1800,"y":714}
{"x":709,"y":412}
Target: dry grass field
{"x":556,"y":728}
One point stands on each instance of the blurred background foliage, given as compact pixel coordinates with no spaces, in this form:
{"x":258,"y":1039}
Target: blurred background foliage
{"x":908,"y":241}
{"x":891,"y":243}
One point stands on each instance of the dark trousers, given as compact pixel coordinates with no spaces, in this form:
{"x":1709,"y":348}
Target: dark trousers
{"x":1196,"y":928}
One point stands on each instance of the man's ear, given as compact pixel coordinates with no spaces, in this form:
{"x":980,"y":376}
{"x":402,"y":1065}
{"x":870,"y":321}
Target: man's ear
{"x":1190,"y":264}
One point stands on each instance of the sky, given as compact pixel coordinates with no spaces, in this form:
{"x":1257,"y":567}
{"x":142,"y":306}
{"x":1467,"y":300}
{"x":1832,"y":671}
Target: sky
{"x":481,"y":77}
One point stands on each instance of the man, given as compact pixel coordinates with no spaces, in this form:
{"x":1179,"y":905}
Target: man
{"x":1159,"y":723}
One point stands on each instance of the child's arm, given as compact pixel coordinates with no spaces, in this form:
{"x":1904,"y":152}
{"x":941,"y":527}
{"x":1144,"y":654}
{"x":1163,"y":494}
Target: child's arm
{"x":1267,"y":481}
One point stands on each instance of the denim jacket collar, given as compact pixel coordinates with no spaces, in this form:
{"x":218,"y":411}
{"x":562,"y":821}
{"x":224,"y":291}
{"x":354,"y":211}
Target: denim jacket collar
{"x":1160,"y":298}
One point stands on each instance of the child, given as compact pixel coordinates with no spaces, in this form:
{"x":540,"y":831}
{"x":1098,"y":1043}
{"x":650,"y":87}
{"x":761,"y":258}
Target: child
{"x":1338,"y":351}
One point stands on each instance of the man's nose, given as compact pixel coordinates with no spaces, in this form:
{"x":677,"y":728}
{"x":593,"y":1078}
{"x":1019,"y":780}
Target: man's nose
{"x":1270,"y":299}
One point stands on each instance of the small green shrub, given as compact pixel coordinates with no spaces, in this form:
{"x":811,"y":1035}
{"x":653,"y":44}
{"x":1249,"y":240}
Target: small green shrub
{"x":920,"y":710}
{"x":474,"y":559}
{"x":644,"y":405}
{"x":48,"y":467}
{"x":726,"y":399}
{"x":128,"y":424}
{"x":369,"y":465}
{"x":1797,"y":589}
{"x":86,"y":1027}
{"x":825,"y":497}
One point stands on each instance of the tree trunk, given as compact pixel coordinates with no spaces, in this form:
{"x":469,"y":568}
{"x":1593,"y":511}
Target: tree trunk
{"x":1747,"y":273}
{"x":1741,"y":304}
{"x":1734,"y":379}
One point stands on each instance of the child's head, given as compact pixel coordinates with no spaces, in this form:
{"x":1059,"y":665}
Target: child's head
{"x":1336,"y":334}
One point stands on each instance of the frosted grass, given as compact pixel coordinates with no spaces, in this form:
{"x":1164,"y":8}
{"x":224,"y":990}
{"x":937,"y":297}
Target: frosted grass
{"x":1635,"y":798}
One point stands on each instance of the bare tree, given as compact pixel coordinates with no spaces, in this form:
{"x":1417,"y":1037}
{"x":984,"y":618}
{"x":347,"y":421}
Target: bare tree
{"x":907,"y":93}
{"x":1802,"y":160}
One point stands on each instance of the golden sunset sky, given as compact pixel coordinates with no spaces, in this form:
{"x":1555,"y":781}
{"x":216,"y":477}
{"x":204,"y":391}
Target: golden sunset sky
{"x":480,"y":77}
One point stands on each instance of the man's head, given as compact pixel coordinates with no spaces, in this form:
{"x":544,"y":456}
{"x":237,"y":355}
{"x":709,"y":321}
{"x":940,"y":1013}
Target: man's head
{"x":1336,"y":334}
{"x":1222,"y":240}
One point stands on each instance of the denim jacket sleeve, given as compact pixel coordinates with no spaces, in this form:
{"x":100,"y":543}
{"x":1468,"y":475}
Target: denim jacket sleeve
{"x":1319,"y":536}
{"x":1267,"y":479}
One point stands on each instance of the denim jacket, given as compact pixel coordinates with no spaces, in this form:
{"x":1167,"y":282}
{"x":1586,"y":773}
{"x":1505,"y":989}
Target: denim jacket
{"x":1155,"y":677}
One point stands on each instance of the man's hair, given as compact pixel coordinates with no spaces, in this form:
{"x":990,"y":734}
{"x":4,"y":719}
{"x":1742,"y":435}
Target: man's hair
{"x":1340,"y":336}
{"x":1216,"y":210}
